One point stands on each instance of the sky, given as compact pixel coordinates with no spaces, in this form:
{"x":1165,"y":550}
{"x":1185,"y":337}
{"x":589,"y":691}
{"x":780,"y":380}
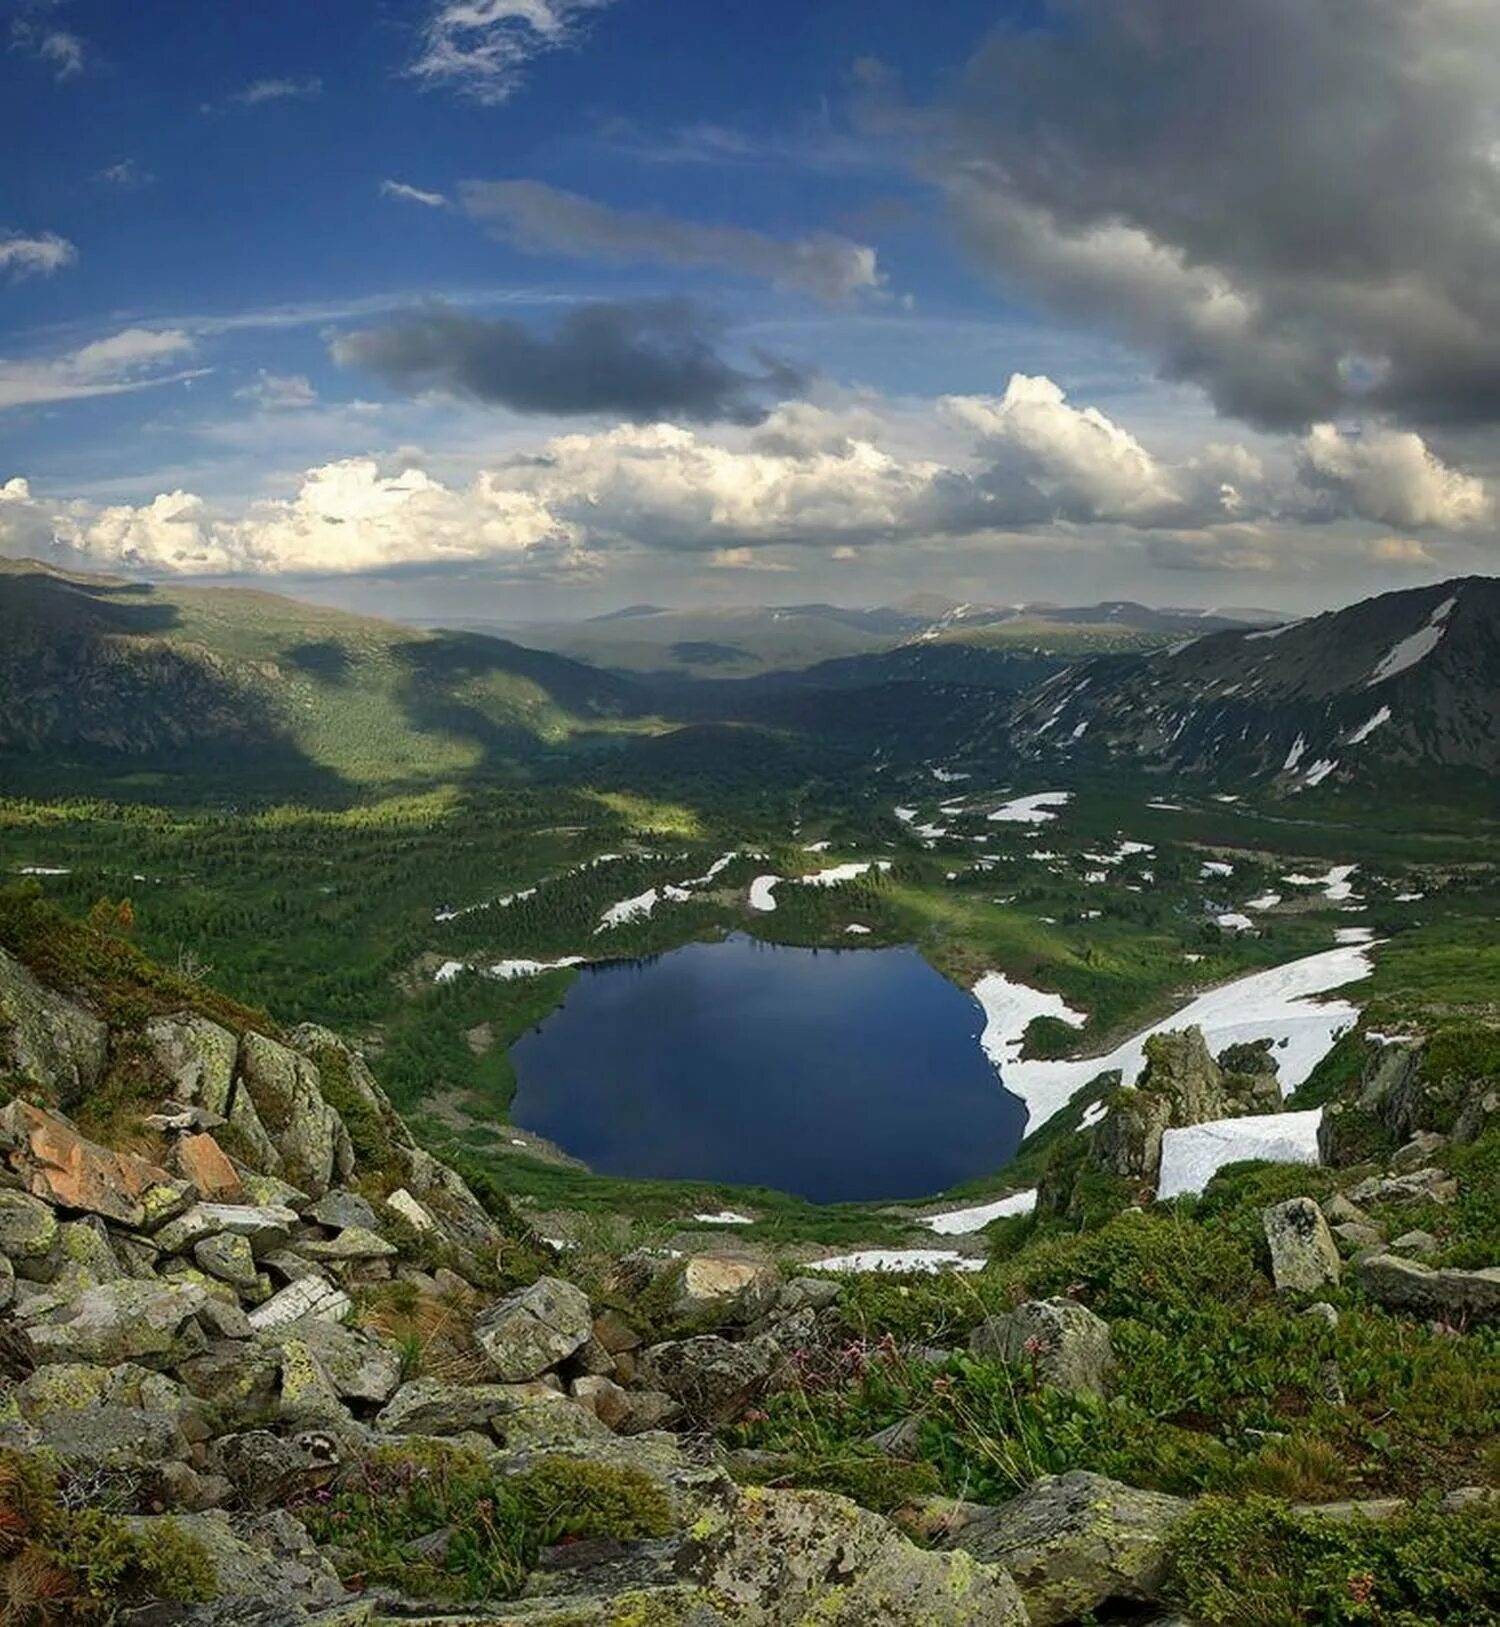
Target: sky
{"x":533,"y":308}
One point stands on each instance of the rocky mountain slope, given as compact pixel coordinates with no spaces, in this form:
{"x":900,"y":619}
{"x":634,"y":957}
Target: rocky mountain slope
{"x":266,"y":1362}
{"x":1399,"y":682}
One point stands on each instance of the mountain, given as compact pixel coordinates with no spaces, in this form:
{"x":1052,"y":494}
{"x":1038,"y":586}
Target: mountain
{"x":1401,"y":681}
{"x":96,"y":668}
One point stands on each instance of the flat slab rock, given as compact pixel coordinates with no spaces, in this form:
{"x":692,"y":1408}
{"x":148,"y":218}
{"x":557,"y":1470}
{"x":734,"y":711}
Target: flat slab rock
{"x":308,"y":1296}
{"x":1445,"y":1292}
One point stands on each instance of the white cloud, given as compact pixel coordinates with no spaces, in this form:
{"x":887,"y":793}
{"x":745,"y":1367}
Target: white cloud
{"x":413,"y":194}
{"x":482,"y":48}
{"x":1391,"y":476}
{"x":61,"y":51}
{"x":260,"y":91}
{"x":126,"y":173}
{"x":280,"y":392}
{"x":24,"y":256}
{"x":129,"y":360}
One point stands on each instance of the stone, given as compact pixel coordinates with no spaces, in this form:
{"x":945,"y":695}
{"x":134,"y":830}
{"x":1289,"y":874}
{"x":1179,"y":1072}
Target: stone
{"x":608,"y":1402}
{"x":1075,"y":1540}
{"x":48,"y":1043}
{"x":353,"y":1243}
{"x":1418,"y":1152}
{"x":63,"y":1167}
{"x":264,"y":1226}
{"x":359,"y":1365}
{"x":340,"y":1208}
{"x":7,"y":1281}
{"x":1416,"y":1242}
{"x":29,"y":1231}
{"x":613,"y":1331}
{"x":1324,"y":1312}
{"x":782,"y":1558}
{"x":270,"y":1191}
{"x":150,"y":1323}
{"x":534,"y":1329}
{"x":223,"y":1320}
{"x":545,"y":1422}
{"x":288,"y":1266}
{"x":1356,"y":1236}
{"x":111,"y":1437}
{"x":238,"y":1378}
{"x":712,"y":1379}
{"x":308,"y":1395}
{"x":308,"y":1296}
{"x":260,"y":1560}
{"x":1379,"y":1509}
{"x":197,"y":1056}
{"x":307,"y":1132}
{"x":1339,"y":1211}
{"x":1127,"y":1141}
{"x":1304,"y":1256}
{"x":1417,"y":1186}
{"x":402,"y":1203}
{"x":228,"y":1258}
{"x":1448,"y":1295}
{"x":86,"y":1255}
{"x":267,"y":1469}
{"x":425,"y":1406}
{"x":1180,"y":1069}
{"x":1064,"y":1342}
{"x":722,"y":1282}
{"x":201,"y":1160}
{"x":261,"y":1151}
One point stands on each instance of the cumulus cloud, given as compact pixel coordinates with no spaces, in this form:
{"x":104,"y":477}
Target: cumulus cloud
{"x":34,"y":256}
{"x":545,"y":220}
{"x":1295,"y":206}
{"x":482,"y":48}
{"x":413,"y":194}
{"x":133,"y":359}
{"x":643,"y":360}
{"x":1392,"y":477}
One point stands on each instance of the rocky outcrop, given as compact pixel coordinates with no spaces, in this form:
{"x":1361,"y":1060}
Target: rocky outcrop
{"x":1064,"y":1343}
{"x":52,"y":1045}
{"x":307,"y":1133}
{"x":1304,"y":1256}
{"x":1074,"y":1541}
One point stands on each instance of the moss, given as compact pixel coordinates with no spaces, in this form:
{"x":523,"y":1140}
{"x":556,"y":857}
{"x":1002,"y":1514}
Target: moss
{"x":368,"y":1135}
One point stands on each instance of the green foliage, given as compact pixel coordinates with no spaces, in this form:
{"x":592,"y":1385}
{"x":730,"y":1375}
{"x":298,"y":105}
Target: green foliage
{"x":877,"y":1482}
{"x":1256,"y":1563}
{"x":565,"y":1499}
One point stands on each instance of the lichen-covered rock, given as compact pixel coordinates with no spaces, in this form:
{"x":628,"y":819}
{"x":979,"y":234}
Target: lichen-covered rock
{"x":264,"y":1226}
{"x":1067,"y":1345}
{"x":1127,"y":1140}
{"x":426,"y":1406}
{"x":416,"y":1215}
{"x":197,"y":1056}
{"x":712,"y":1379}
{"x":1073,"y":1541}
{"x":359,"y":1365}
{"x":1179,"y":1068}
{"x":545,"y":1421}
{"x":29,"y":1232}
{"x":308,"y":1395}
{"x":1448,"y":1295}
{"x":353,"y":1243}
{"x":307,"y":1132}
{"x":534,"y":1329}
{"x":785,"y":1558}
{"x":51,"y":1044}
{"x":107,"y":1436}
{"x":341,"y":1208}
{"x":1304,"y":1256}
{"x":201,"y":1160}
{"x":1416,"y":1186}
{"x":228,"y":1258}
{"x":726,"y":1284}
{"x":147,"y":1322}
{"x":307,"y":1296}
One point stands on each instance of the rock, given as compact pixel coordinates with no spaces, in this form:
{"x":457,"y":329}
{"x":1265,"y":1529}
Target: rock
{"x":1448,"y":1295}
{"x":150,"y":1323}
{"x":1324,"y":1312}
{"x":1462,"y":1497}
{"x":7,"y":1281}
{"x":111,"y":1437}
{"x":1068,"y":1345}
{"x":901,"y":1440}
{"x":1418,"y":1152}
{"x":360,"y":1366}
{"x":425,"y":1406}
{"x":1249,"y":1077}
{"x":1304,"y":1256}
{"x":1356,"y":1236}
{"x":783,"y":1558}
{"x":48,"y":1043}
{"x":221,"y":1320}
{"x":267,"y":1469}
{"x":1127,"y":1141}
{"x":626,"y":1412}
{"x":340,"y":1208}
{"x":197,"y":1056}
{"x":261,"y":1151}
{"x":1417,"y":1242}
{"x":307,"y":1132}
{"x":444,"y":1192}
{"x":1418,"y":1186}
{"x":534,"y":1329}
{"x":59,"y":1165}
{"x":1347,"y":1513}
{"x":308,"y":1296}
{"x":710,"y":1378}
{"x":308,"y":1395}
{"x":613,"y":1331}
{"x":723,"y":1283}
{"x":259,"y":1560}
{"x":545,"y":1422}
{"x":289,"y":1266}
{"x":402,"y":1203}
{"x":264,"y":1226}
{"x":353,"y":1243}
{"x":1339,"y":1211}
{"x":228,"y":1258}
{"x":201,"y":1160}
{"x":29,"y":1232}
{"x":1075,"y":1540}
{"x":1180,"y":1069}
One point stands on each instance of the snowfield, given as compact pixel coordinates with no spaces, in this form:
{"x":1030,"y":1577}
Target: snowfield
{"x":1415,"y":647}
{"x":1278,"y":1004}
{"x":505,"y":971}
{"x":725,"y":1217}
{"x":842,"y":872}
{"x":963,"y":1222}
{"x":1190,"y":1156}
{"x":763,"y":893}
{"x":910,"y":1259}
{"x":1037,"y":809}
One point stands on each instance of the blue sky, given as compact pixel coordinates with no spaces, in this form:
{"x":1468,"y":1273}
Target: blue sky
{"x":553,"y":303}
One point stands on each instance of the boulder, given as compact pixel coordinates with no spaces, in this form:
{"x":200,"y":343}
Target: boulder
{"x":710,"y":1378}
{"x":308,"y":1395}
{"x":50,"y":1044}
{"x":1417,"y":1186}
{"x":425,"y":1406}
{"x":544,"y":1423}
{"x":1075,"y":1540}
{"x":402,"y":1203}
{"x":1447,"y":1295}
{"x":1066,"y":1344}
{"x":341,"y":1208}
{"x":267,"y":1469}
{"x":1415,"y":1242}
{"x":724,"y":1284}
{"x":307,"y":1132}
{"x":1304,"y":1256}
{"x":228,"y":1258}
{"x":264,"y":1226}
{"x":307,"y":1296}
{"x":29,"y":1233}
{"x":197,"y":1056}
{"x":353,"y":1243}
{"x":534,"y":1329}
{"x":201,"y":1160}
{"x":1179,"y":1068}
{"x":784,"y":1558}
{"x":1127,"y":1140}
{"x":107,"y":1436}
{"x":150,"y":1323}
{"x":359,"y":1366}
{"x":58,"y":1164}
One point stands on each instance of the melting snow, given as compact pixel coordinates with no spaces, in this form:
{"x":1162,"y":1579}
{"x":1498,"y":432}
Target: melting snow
{"x":857,"y":930}
{"x":1320,"y":770}
{"x":1008,"y":1010}
{"x":1266,"y":901}
{"x":1294,"y":756}
{"x":725,"y":1217}
{"x":842,"y":872}
{"x":1415,"y":646}
{"x":1166,"y":807}
{"x":506,"y":971}
{"x":762,"y":893}
{"x":1353,"y":934}
{"x":909,"y":1259}
{"x":43,"y":870}
{"x":963,"y":1222}
{"x":1235,"y":922}
{"x":1366,"y":729}
{"x":1190,"y":1156}
{"x":1092,"y":1114}
{"x":629,"y":909}
{"x":816,"y":847}
{"x":1033,"y":810}
{"x":948,"y":778}
{"x":1216,"y":867}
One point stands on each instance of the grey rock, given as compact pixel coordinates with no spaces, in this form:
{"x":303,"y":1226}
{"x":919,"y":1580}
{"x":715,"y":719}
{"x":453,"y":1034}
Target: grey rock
{"x":1448,"y":1295}
{"x":359,"y":1365}
{"x":1324,"y":1312}
{"x":1356,"y":1236}
{"x":263,"y":1226}
{"x":534,"y":1329}
{"x":259,"y":1559}
{"x":111,"y":1437}
{"x":341,"y":1208}
{"x":1066,"y":1343}
{"x":1347,"y":1513}
{"x":308,"y":1296}
{"x":426,"y":1406}
{"x":712,"y":1379}
{"x":1304,"y":1256}
{"x":150,"y":1323}
{"x":227,"y":1258}
{"x":307,"y":1132}
{"x":198,"y":1058}
{"x":29,"y":1231}
{"x":353,"y":1243}
{"x":1418,"y":1186}
{"x":50,"y":1044}
{"x":1127,"y":1141}
{"x":1416,"y":1242}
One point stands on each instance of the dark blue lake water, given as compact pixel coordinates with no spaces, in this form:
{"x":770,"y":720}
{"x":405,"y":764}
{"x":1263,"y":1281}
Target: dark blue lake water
{"x":837,"y":1074}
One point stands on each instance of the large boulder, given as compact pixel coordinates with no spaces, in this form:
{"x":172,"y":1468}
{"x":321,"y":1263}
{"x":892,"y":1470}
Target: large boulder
{"x":534,"y":1329}
{"x":49,"y":1043}
{"x":1067,"y":1345}
{"x":29,"y":1233}
{"x":427,"y":1406}
{"x":724,"y":1285}
{"x":1074,"y":1541}
{"x":307,"y":1296}
{"x":147,"y":1322}
{"x":1304,"y":1256}
{"x":265,"y":1226}
{"x":1445,"y":1294}
{"x":1127,"y":1140}
{"x":711,"y":1379}
{"x":307,"y":1132}
{"x":359,"y":1366}
{"x":197,"y":1056}
{"x":785,"y":1558}
{"x":1179,"y":1067}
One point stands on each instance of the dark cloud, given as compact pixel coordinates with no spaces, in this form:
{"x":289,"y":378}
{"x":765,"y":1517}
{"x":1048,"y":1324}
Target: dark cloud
{"x":640,"y":360}
{"x":1293,"y":203}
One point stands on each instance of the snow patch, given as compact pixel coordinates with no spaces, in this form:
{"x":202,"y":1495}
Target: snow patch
{"x":842,"y":872}
{"x":1037,"y":809}
{"x":1320,"y":771}
{"x":1369,"y":726}
{"x":856,"y":930}
{"x":506,"y":971}
{"x":1415,"y":647}
{"x":1294,"y":756}
{"x":762,"y":893}
{"x":1234,"y":922}
{"x":1216,"y":867}
{"x":909,"y":1259}
{"x":725,"y":1217}
{"x":1190,"y":1156}
{"x":43,"y":870}
{"x":964,"y":1222}
{"x":1266,"y":901}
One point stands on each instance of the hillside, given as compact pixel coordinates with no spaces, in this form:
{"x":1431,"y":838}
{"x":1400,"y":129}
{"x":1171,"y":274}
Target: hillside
{"x":93,"y":668}
{"x":1399,"y":682}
